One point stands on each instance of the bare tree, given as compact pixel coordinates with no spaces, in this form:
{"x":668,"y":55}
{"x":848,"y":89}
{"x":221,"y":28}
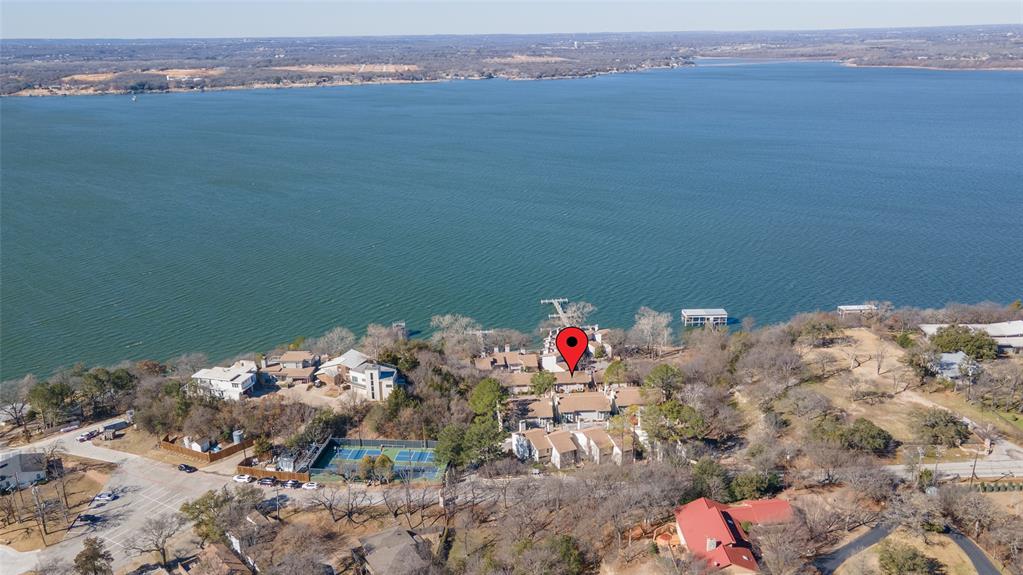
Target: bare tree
{"x":783,"y":547}
{"x":335,"y":342}
{"x":378,"y":338}
{"x":13,"y":404}
{"x":457,"y":335}
{"x":880,"y":353}
{"x":577,"y":312}
{"x":154,"y":535}
{"x":346,"y":503}
{"x":652,"y":329}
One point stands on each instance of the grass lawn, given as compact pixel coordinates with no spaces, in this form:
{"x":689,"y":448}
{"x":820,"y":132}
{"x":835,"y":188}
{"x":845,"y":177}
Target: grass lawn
{"x":86,"y":478}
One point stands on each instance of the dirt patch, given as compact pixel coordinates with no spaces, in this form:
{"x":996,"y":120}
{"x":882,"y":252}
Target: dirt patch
{"x":146,"y":444}
{"x":350,"y":68}
{"x":1009,"y":501}
{"x":90,"y":78}
{"x":182,"y":73}
{"x":84,"y":479}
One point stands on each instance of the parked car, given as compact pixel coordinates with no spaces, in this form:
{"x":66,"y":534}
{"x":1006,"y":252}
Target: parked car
{"x":71,"y":427}
{"x":242,"y":478}
{"x":88,"y":435}
{"x":293,"y":484}
{"x":186,"y":468}
{"x":105,"y":496}
{"x":311,"y":485}
{"x":86,"y":518}
{"x":268,"y":481}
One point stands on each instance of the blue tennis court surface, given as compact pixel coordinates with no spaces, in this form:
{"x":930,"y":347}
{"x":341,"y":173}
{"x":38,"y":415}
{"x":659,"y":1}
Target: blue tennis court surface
{"x":356,"y":453}
{"x":407,"y":455}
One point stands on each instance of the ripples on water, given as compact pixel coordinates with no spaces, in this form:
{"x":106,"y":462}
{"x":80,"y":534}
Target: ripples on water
{"x":233,"y":221}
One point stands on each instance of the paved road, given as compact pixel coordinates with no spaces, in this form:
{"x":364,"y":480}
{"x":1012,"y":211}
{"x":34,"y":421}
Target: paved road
{"x":830,"y":562}
{"x":980,"y":560}
{"x":1005,"y":460}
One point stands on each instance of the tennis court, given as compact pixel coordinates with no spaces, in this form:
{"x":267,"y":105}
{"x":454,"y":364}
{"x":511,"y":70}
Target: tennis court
{"x":418,"y":463}
{"x":356,"y":453}
{"x":414,"y":456}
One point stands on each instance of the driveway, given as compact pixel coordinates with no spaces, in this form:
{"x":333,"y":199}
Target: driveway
{"x":830,"y":562}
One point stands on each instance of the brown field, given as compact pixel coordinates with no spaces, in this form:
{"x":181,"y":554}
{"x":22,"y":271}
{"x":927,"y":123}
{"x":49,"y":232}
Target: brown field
{"x":1008,"y":501}
{"x":890,"y":415}
{"x":90,"y":78}
{"x":86,"y":478}
{"x":187,"y":72}
{"x":941,"y":547}
{"x":526,"y":59}
{"x":350,"y":68}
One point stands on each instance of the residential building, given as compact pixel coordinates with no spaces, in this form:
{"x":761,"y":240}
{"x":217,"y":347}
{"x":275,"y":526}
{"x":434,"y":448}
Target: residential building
{"x":634,"y":396}
{"x":507,"y":360}
{"x":292,"y":367}
{"x":558,"y":448}
{"x":21,"y":469}
{"x":595,"y":443}
{"x":529,"y":412}
{"x":587,"y":406}
{"x":395,"y":550}
{"x":950,"y":365}
{"x":227,"y":382}
{"x":714,"y":531}
{"x":366,"y":377}
{"x":532,"y":444}
{"x":564,"y":381}
{"x":564,"y":451}
{"x":1007,"y":334}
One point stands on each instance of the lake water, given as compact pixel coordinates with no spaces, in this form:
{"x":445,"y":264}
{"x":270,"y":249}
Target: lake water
{"x":233,"y":221}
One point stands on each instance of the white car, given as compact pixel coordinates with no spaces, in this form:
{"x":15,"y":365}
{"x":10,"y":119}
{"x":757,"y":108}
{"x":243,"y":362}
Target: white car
{"x":105,"y":496}
{"x":311,"y":485}
{"x":243,"y":478}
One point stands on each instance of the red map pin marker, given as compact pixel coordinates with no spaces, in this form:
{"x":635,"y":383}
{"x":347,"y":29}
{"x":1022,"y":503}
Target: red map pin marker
{"x":571,"y":342}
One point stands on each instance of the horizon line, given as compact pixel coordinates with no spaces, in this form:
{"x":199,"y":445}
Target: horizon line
{"x":512,"y":34}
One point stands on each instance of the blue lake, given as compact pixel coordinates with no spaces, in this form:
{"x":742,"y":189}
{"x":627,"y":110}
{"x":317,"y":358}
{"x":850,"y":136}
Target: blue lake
{"x":227,"y":222}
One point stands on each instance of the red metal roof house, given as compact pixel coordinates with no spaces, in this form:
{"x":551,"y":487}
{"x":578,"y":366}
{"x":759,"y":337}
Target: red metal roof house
{"x":713,"y":531}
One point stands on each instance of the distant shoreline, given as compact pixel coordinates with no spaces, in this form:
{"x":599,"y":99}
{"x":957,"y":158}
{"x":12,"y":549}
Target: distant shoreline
{"x":46,"y":92}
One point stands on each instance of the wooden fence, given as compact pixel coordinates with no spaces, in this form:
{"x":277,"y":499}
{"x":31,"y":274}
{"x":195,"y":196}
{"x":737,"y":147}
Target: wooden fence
{"x":259,"y":473}
{"x":169,"y":443}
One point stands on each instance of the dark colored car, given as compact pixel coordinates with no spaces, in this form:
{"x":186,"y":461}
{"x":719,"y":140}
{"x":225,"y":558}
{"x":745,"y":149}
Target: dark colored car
{"x":268,"y":481}
{"x":186,"y":468}
{"x":293,"y":484}
{"x":84,"y":518}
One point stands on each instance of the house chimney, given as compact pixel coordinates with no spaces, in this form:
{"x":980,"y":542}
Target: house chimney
{"x":507,"y":348}
{"x":522,"y":426}
{"x":496,"y":350}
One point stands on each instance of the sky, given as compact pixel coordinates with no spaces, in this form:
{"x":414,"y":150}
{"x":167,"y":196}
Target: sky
{"x":260,"y":18}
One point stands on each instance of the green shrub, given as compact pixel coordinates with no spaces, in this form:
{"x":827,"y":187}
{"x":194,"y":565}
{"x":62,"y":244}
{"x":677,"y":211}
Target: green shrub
{"x":899,"y":559}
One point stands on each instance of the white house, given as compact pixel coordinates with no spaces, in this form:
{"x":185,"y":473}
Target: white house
{"x":227,"y":382}
{"x":21,"y":469}
{"x":368,"y":378}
